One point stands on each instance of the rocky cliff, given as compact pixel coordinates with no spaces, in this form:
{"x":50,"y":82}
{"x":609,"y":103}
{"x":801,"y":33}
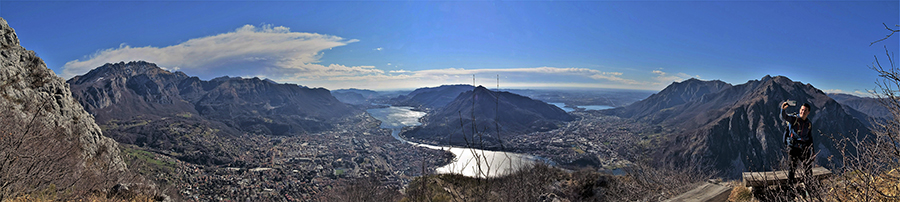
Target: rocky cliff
{"x":142,"y":87}
{"x":48,"y":141}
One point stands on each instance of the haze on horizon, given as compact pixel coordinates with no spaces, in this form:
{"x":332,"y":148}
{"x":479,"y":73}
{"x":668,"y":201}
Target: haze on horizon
{"x":406,"y":45}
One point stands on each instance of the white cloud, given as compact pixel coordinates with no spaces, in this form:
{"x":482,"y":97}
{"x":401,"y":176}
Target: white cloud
{"x":277,"y":53}
{"x":663,"y":78}
{"x":616,"y":79}
{"x":855,"y":92}
{"x":265,"y":50}
{"x":834,"y":91}
{"x":536,"y":77}
{"x":547,"y":71}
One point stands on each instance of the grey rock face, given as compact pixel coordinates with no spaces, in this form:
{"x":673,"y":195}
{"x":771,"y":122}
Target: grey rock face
{"x":9,"y":36}
{"x":112,"y":90}
{"x":139,"y":91}
{"x":42,"y":105}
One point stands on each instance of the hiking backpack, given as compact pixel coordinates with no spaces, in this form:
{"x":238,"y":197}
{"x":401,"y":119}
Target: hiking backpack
{"x":789,"y":132}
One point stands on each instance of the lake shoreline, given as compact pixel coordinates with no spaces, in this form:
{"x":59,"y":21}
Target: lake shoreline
{"x":467,"y":161}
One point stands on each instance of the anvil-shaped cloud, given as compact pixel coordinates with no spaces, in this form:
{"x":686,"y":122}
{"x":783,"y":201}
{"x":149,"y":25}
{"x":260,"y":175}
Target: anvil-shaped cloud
{"x":293,"y":57}
{"x":249,"y":50}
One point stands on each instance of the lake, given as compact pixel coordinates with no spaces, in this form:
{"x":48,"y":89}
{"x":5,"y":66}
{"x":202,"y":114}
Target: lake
{"x":586,"y":107}
{"x":595,"y":107}
{"x":562,"y":106}
{"x":468,"y":161}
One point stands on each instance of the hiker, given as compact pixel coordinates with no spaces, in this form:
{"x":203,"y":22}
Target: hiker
{"x":798,"y":138}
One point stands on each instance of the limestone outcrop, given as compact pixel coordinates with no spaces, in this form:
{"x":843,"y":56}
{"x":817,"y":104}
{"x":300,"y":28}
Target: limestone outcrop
{"x":47,"y":140}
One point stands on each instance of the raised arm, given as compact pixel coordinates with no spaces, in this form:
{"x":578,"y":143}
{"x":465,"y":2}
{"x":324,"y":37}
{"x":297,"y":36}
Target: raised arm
{"x":784,"y":115}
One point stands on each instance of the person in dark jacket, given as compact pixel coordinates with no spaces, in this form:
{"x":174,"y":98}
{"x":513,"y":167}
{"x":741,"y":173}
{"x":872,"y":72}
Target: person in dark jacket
{"x":799,"y":140}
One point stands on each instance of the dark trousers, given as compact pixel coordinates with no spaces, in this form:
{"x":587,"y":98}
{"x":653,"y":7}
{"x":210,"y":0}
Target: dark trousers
{"x":800,"y":157}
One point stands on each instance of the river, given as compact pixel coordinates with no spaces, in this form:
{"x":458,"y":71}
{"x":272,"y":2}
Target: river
{"x":468,"y":161}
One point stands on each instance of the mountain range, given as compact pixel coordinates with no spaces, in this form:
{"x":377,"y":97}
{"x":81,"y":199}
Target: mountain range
{"x":736,"y":128}
{"x":354,"y":96}
{"x":659,"y":107}
{"x":142,"y":104}
{"x":482,"y":111}
{"x":123,"y":90}
{"x":866,"y":109}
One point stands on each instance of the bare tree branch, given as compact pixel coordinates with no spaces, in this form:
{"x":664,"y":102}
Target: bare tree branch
{"x":888,"y":36}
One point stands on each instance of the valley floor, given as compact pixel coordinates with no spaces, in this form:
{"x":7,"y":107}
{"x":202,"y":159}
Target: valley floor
{"x":299,"y":167}
{"x":310,"y":167}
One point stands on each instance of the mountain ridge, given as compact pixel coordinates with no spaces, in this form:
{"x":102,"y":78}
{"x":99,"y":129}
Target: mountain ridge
{"x":185,"y":117}
{"x":432,"y":98}
{"x":866,"y":109}
{"x":673,"y":95}
{"x":354,"y":96}
{"x":738,"y":128}
{"x":134,"y":84}
{"x":142,"y":88}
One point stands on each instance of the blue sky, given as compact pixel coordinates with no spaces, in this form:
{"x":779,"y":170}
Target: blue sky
{"x":531,"y":44}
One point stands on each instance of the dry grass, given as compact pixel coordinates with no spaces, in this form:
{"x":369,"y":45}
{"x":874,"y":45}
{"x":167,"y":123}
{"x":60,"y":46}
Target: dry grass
{"x":740,"y":193}
{"x":852,"y":187}
{"x":545,"y":183}
{"x":30,"y":198}
{"x":92,"y":198}
{"x":871,"y":172}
